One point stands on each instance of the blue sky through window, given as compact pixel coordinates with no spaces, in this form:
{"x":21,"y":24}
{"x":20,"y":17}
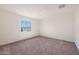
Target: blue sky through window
{"x":25,"y":23}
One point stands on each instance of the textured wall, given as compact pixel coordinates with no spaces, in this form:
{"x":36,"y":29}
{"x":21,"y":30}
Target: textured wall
{"x":61,"y":25}
{"x":10,"y":27}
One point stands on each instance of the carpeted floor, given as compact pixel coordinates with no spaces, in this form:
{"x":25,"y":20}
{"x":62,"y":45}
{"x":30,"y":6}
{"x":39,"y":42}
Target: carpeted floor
{"x":40,"y":46}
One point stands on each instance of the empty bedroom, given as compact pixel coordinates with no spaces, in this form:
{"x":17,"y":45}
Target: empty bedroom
{"x":39,"y":29}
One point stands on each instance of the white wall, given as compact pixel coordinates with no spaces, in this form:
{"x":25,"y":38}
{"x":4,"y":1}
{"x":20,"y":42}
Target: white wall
{"x":60,"y":26}
{"x":10,"y":28}
{"x":77,"y":27}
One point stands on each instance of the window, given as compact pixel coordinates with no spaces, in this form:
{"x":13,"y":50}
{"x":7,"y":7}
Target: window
{"x":25,"y":25}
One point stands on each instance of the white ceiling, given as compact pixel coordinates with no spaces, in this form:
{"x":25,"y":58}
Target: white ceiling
{"x":38,"y":11}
